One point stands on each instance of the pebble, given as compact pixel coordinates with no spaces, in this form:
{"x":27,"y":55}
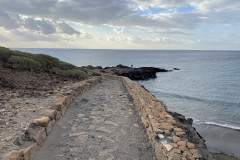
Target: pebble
{"x":168,"y":147}
{"x":190,"y":145}
{"x":2,"y":110}
{"x":160,"y":136}
{"x":102,"y":129}
{"x":176,"y":139}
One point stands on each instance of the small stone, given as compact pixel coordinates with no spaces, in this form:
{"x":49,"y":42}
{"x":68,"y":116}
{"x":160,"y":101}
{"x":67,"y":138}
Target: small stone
{"x":111,"y":123}
{"x":160,"y":136}
{"x":166,"y":126}
{"x":150,"y":116}
{"x":190,"y":145}
{"x":168,"y":147}
{"x":83,"y":138}
{"x":2,"y":110}
{"x":164,"y":142}
{"x":80,"y":115}
{"x":180,"y":134}
{"x":92,"y":127}
{"x":176,"y":150}
{"x":173,"y":122}
{"x":8,"y":138}
{"x":174,"y":145}
{"x":194,"y":151}
{"x":183,"y":158}
{"x":195,"y":155}
{"x":51,"y":113}
{"x":159,"y":131}
{"x":176,"y":139}
{"x":136,"y":125}
{"x":130,"y":113}
{"x":168,"y":116}
{"x":43,"y":121}
{"x":50,"y":126}
{"x":29,"y":153}
{"x":74,"y":151}
{"x":14,"y":155}
{"x":167,"y":132}
{"x":177,"y":129}
{"x":182,"y":143}
{"x":40,"y":136}
{"x":102,"y":129}
{"x":182,"y":148}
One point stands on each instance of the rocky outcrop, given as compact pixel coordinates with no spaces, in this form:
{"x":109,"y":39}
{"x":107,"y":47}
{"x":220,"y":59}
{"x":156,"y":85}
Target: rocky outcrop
{"x":142,"y":73}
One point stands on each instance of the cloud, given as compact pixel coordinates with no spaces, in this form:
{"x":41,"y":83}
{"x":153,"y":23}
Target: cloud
{"x":172,"y":18}
{"x":65,"y":28}
{"x":8,"y":21}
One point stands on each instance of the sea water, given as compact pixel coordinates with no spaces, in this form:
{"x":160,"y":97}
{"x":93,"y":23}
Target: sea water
{"x":206,"y":88}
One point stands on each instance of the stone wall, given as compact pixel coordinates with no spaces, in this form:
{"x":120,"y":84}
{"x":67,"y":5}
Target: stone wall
{"x":168,"y":141}
{"x":35,"y":134}
{"x":167,"y":134}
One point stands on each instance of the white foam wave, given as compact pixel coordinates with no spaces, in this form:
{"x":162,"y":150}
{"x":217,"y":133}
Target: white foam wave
{"x":223,"y":125}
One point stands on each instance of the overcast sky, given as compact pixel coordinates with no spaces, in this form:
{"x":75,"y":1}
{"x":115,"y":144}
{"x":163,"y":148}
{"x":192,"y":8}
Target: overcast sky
{"x":120,"y":24}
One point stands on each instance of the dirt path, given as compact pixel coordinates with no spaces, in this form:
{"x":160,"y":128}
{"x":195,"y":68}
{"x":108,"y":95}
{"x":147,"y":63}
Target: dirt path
{"x":102,"y":124}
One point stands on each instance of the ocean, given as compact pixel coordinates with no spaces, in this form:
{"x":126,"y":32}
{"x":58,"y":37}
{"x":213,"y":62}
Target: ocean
{"x":206,"y":88}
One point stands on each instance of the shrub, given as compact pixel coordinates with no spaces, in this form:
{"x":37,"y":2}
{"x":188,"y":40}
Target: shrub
{"x":47,"y":61}
{"x":40,"y":62}
{"x":5,"y":54}
{"x":22,"y":63}
{"x":66,"y":66}
{"x":75,"y":73}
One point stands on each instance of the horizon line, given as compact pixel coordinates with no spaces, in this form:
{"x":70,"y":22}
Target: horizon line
{"x":132,"y":49}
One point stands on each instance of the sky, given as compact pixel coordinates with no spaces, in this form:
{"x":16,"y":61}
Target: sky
{"x":121,"y":24}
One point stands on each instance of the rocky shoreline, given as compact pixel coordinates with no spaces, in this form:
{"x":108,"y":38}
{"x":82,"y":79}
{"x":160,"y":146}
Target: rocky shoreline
{"x":141,"y":73}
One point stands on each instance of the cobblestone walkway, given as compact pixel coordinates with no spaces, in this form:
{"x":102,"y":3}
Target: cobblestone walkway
{"x":102,"y":124}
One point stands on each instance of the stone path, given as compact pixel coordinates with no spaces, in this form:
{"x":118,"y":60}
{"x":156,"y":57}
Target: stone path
{"x":102,"y":124}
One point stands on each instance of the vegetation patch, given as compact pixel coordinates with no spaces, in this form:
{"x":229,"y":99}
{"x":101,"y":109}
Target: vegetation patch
{"x":40,"y":62}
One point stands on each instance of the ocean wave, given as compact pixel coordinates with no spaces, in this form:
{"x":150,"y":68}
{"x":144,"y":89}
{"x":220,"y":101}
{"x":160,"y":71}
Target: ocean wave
{"x":222,"y":125}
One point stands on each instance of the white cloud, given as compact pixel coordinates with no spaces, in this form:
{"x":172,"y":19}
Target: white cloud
{"x":130,"y":21}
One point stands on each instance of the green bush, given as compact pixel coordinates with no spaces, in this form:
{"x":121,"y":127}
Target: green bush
{"x":24,"y":63}
{"x":5,"y":54}
{"x":66,"y":66}
{"x":47,"y":61}
{"x":40,"y":62}
{"x":75,"y":73}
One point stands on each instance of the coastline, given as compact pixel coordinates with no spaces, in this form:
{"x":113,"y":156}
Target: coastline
{"x":220,"y":139}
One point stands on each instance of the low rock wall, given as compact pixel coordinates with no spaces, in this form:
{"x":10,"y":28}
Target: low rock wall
{"x":36,"y":133}
{"x":169,"y":141}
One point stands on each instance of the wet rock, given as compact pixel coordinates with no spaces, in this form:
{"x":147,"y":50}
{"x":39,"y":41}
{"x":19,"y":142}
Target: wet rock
{"x":141,"y":73}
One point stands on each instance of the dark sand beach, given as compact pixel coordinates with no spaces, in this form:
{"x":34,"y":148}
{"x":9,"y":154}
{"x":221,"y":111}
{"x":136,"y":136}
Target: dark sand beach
{"x":221,"y":139}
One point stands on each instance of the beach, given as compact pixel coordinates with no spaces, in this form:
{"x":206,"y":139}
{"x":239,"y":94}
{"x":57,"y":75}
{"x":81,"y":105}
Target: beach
{"x":220,"y":139}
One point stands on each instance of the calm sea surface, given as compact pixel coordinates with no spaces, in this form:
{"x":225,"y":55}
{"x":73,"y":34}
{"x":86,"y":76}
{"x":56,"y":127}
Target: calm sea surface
{"x":206,"y":88}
